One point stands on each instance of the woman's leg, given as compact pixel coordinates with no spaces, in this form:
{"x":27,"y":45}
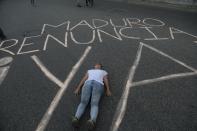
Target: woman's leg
{"x":97,"y":92}
{"x":85,"y":96}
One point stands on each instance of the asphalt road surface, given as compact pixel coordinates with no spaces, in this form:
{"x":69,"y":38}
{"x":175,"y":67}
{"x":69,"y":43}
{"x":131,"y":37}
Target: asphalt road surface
{"x":149,"y":52}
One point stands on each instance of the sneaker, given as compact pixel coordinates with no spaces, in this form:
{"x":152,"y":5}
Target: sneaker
{"x":75,"y":122}
{"x":91,"y":125}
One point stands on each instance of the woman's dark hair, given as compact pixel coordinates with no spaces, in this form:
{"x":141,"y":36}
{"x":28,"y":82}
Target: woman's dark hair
{"x":98,"y":63}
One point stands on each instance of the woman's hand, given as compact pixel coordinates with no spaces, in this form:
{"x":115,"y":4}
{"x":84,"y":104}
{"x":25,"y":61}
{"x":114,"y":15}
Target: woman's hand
{"x":77,"y":91}
{"x":108,"y":93}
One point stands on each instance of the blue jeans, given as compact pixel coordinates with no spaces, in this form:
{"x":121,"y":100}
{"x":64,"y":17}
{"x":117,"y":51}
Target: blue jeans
{"x":94,"y":90}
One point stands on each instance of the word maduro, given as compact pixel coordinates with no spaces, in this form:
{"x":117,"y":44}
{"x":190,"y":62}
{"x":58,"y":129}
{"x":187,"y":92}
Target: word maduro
{"x":125,"y":28}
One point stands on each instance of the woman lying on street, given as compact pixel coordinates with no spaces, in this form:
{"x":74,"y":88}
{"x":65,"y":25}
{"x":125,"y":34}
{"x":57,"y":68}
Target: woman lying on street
{"x":93,"y":84}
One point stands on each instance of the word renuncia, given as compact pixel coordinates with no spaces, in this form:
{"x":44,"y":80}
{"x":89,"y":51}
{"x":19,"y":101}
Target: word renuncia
{"x":124,"y":28}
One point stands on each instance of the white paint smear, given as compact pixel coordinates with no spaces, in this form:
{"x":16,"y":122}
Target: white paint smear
{"x":47,"y":116}
{"x":122,"y":105}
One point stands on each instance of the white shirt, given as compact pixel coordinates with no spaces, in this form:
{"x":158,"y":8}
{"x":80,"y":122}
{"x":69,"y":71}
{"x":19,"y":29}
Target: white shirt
{"x":97,"y":75}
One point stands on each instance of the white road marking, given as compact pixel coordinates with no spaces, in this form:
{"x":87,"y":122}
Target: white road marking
{"x":65,"y":44}
{"x":3,"y":73}
{"x":47,"y":116}
{"x":27,"y":44}
{"x":4,"y":67}
{"x":89,"y":42}
{"x":157,"y":20}
{"x":82,"y":23}
{"x":99,"y":20}
{"x":124,"y":21}
{"x":153,"y":34}
{"x":122,"y":105}
{"x":5,"y":49}
{"x":55,"y":26}
{"x":126,"y":36}
{"x":175,"y":30}
{"x":163,"y":78}
{"x":6,"y":60}
{"x":47,"y":72}
{"x":171,"y":58}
